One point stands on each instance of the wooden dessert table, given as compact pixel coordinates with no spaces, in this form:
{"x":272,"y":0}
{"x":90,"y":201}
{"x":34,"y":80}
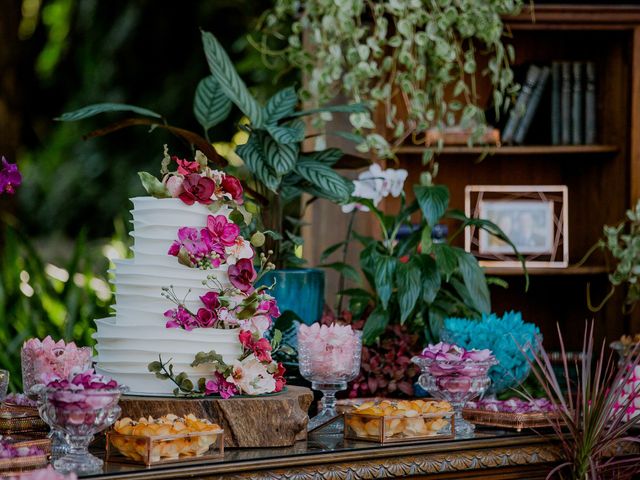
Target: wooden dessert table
{"x":491,"y":454}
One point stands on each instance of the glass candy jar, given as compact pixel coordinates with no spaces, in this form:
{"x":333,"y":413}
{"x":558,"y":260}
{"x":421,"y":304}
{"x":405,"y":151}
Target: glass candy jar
{"x":329,"y":358}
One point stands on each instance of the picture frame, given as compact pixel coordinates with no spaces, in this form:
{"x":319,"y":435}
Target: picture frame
{"x":534,"y":217}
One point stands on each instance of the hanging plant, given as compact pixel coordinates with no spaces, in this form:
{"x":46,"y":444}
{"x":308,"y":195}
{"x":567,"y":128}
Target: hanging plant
{"x":414,"y":60}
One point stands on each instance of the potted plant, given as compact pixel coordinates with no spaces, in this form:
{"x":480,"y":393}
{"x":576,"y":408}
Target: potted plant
{"x":415,"y":280}
{"x":414,"y":63}
{"x":275,"y":169}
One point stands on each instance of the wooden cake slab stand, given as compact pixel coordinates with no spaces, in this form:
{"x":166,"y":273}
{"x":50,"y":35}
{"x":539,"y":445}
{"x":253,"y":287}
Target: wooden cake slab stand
{"x":269,"y":421}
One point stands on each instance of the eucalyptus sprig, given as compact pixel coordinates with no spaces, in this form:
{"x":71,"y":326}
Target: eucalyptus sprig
{"x":403,"y":57}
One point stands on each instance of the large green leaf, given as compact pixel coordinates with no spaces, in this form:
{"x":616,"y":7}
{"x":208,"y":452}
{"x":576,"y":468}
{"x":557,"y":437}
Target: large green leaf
{"x":331,"y":183}
{"x":153,"y":186}
{"x":281,"y":157}
{"x":351,"y":108}
{"x":230,"y":82}
{"x":281,"y":105}
{"x":95,"y":109}
{"x":286,"y":134}
{"x":331,"y":249}
{"x":433,"y":201}
{"x":409,"y":287}
{"x":384,"y":275}
{"x":210,"y":105}
{"x":327,"y":157}
{"x":375,"y":325}
{"x":254,"y":158}
{"x":446,"y":259}
{"x":344,"y":269}
{"x":431,"y":281}
{"x":474,"y":280}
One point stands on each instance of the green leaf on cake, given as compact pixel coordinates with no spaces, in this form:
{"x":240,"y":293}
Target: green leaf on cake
{"x":209,"y":358}
{"x":153,"y":186}
{"x":210,"y":105}
{"x":97,"y":108}
{"x":229,"y":81}
{"x":281,"y":105}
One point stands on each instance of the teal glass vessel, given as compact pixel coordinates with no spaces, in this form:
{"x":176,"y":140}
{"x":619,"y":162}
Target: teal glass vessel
{"x":300,"y":290}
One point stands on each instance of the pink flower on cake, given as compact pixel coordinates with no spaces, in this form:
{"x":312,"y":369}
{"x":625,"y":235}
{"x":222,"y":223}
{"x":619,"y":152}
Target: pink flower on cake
{"x":233,"y":187}
{"x":180,"y":318}
{"x":251,"y":377}
{"x":242,"y":275}
{"x":195,"y":250}
{"x":197,"y":189}
{"x":220,"y":386}
{"x":261,"y":348}
{"x":269,"y":307}
{"x":258,"y":324}
{"x":221,"y":230}
{"x":211,"y":300}
{"x":185,"y":167}
{"x":278,"y":376}
{"x":174,"y":185}
{"x":10,"y":177}
{"x":206,"y":318}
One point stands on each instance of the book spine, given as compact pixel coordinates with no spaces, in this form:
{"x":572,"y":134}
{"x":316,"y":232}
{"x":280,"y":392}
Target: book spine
{"x":555,"y":103}
{"x":565,"y":105}
{"x":577,"y":103}
{"x":590,"y":104}
{"x":519,"y":108}
{"x":532,"y":106}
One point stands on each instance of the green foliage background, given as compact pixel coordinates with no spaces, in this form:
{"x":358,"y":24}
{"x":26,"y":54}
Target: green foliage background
{"x":73,"y":205}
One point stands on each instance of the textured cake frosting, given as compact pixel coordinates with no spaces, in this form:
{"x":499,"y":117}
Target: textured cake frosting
{"x":136,"y":334}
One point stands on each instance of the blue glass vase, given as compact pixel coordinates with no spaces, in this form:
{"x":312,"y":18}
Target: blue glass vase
{"x":300,"y":290}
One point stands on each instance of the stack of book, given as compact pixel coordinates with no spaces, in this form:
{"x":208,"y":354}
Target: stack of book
{"x":573,"y":104}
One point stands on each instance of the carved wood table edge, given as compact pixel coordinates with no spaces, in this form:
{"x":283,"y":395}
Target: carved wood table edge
{"x":475,"y":458}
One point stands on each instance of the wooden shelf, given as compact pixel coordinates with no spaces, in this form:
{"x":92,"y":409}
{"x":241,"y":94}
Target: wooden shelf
{"x":570,"y":270}
{"x":516,"y":150}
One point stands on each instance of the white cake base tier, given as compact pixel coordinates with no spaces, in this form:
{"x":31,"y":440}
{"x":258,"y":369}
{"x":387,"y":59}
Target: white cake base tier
{"x":125,"y":351}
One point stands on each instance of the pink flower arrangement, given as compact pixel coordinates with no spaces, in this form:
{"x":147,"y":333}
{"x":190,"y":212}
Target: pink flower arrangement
{"x":8,"y":451}
{"x":220,"y":242}
{"x":85,"y":391}
{"x":444,"y":359}
{"x":513,"y":405}
{"x":194,"y":181}
{"x":47,"y":359}
{"x":10,"y":177}
{"x":331,"y":349}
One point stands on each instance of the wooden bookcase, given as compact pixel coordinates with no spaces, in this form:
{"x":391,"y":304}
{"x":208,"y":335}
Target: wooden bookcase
{"x":603,"y":179}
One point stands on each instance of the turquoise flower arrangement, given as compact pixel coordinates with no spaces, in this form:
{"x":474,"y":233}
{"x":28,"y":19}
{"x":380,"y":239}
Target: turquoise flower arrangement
{"x":502,"y":335}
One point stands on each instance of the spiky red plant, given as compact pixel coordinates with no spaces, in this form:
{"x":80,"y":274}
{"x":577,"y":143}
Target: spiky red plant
{"x":593,"y":425}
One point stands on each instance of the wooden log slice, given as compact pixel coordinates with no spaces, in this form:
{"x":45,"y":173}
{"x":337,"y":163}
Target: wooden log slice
{"x":270,"y":421}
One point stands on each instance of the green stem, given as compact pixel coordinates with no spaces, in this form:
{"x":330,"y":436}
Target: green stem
{"x":345,"y":251}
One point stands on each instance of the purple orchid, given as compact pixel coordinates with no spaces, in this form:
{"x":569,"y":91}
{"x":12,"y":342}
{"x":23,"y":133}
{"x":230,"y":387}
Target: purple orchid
{"x":10,"y":177}
{"x":221,"y":230}
{"x":220,"y":386}
{"x":242,"y":275}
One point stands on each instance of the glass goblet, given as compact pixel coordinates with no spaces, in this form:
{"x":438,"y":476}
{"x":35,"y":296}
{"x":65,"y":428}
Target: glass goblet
{"x":329,"y":370}
{"x":457,"y":382}
{"x":80,"y":414}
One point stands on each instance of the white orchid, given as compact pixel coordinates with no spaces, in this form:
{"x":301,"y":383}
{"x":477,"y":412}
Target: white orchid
{"x":251,"y":377}
{"x":376,"y":184}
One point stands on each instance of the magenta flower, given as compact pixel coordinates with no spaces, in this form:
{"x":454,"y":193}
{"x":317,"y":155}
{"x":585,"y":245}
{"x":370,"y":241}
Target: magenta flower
{"x":242,"y":275}
{"x":211,"y":300}
{"x":180,"y":318}
{"x":197,"y":189}
{"x":10,"y":177}
{"x":206,"y":318}
{"x":185,"y":167}
{"x":220,"y":386}
{"x":222,"y":231}
{"x":269,"y":307}
{"x":233,"y":187}
{"x":197,"y":250}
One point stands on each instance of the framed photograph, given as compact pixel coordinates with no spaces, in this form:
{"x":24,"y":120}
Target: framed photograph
{"x":534,"y":217}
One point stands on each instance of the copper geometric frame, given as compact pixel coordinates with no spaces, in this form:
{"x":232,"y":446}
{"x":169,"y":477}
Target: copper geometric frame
{"x":558,"y":257}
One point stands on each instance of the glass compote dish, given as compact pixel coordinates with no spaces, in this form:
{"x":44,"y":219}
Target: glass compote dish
{"x":456,"y":375}
{"x":81,"y":407}
{"x":329,"y":358}
{"x":45,"y":360}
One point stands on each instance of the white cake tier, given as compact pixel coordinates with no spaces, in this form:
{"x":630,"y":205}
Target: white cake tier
{"x":136,"y":335}
{"x":124,"y":352}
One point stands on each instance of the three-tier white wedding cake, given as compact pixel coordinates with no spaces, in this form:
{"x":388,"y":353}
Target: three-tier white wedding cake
{"x":136,"y":334}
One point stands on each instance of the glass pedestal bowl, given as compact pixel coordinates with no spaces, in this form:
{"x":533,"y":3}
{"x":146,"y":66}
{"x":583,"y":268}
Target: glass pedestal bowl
{"x":457,"y":382}
{"x":329,"y":372}
{"x":80,"y":414}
